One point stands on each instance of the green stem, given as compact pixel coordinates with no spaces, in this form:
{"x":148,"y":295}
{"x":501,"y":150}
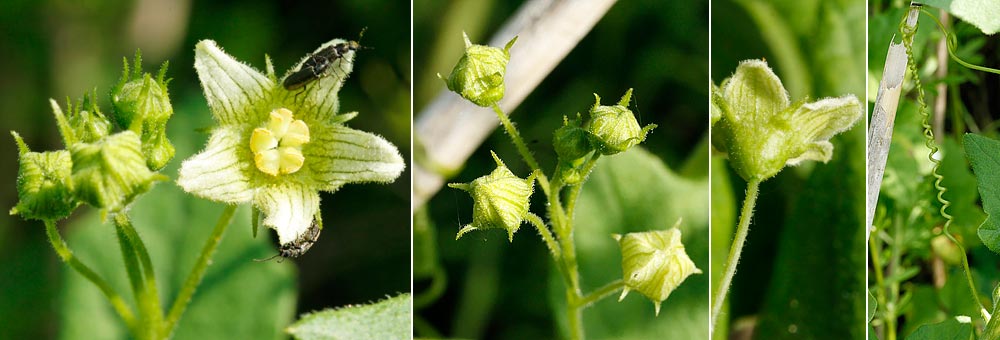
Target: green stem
{"x":67,"y":256}
{"x":742,"y":230}
{"x":149,"y":313}
{"x":574,"y":190}
{"x":151,"y":294}
{"x":439,"y":281}
{"x":198,"y":272}
{"x":522,"y":148}
{"x":880,"y":294}
{"x":543,"y":230}
{"x":601,"y":293}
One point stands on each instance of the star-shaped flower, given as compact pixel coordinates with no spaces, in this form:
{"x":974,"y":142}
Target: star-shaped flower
{"x":277,"y":148}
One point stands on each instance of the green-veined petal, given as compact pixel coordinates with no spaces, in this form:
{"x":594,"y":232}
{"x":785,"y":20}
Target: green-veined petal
{"x":754,"y":92}
{"x":231,"y":87}
{"x":218,"y":173}
{"x":288,"y":208}
{"x":337,"y":155}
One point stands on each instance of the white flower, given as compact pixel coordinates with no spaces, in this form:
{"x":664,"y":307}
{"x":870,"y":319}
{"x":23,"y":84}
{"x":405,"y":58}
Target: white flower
{"x":276,"y":148}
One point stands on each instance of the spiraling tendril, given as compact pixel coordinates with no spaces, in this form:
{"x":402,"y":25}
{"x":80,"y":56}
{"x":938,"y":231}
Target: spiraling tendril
{"x":908,"y":33}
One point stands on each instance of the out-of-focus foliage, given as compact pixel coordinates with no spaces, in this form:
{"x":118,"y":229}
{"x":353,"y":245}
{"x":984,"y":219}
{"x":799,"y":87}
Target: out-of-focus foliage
{"x":800,"y":274}
{"x":500,"y":290}
{"x":59,"y":49}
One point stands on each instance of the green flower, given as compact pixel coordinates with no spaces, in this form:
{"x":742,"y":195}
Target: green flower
{"x":44,"y":185}
{"x":762,"y":131}
{"x":478,"y":76}
{"x":613,"y":128}
{"x":499,"y":200}
{"x":277,"y":149}
{"x":142,"y":104}
{"x":111,"y":172}
{"x":654,"y":263}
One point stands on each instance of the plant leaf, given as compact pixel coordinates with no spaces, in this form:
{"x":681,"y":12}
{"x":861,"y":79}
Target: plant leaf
{"x":984,"y":14}
{"x":958,"y":328}
{"x":387,"y":319}
{"x":984,"y":154}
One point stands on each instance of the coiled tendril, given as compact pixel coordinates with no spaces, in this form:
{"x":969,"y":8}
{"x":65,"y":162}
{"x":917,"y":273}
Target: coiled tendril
{"x":908,"y":33}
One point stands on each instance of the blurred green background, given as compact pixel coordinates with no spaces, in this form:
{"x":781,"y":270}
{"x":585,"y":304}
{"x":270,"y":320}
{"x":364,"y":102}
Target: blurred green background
{"x":499,"y":290}
{"x":801,"y":272}
{"x":922,"y":274}
{"x":59,"y":49}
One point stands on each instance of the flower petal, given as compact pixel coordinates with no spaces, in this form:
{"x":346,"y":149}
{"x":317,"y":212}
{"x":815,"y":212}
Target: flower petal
{"x":288,"y":209}
{"x":820,"y":151}
{"x":230,"y":86}
{"x":823,"y":119}
{"x":338,"y":155}
{"x":218,"y":173}
{"x":754,"y":92}
{"x":320,"y":99}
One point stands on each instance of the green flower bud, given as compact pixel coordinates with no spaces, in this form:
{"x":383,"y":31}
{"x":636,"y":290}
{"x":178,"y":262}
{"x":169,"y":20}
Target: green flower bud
{"x":762,"y":131}
{"x":109,"y":174}
{"x":87,"y":121}
{"x":570,"y":140}
{"x":613,"y":129}
{"x":569,"y":172}
{"x":654,"y":263}
{"x":142,"y":104}
{"x":478,"y":76}
{"x":500,"y":200}
{"x":44,"y":185}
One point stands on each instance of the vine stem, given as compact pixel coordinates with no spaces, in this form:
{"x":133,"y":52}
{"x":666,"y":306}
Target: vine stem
{"x":543,"y":230}
{"x":198,"y":272}
{"x":143,"y":284}
{"x":733,"y":259}
{"x":562,"y":246}
{"x":601,"y":293}
{"x":70,"y":259}
{"x":522,"y":148}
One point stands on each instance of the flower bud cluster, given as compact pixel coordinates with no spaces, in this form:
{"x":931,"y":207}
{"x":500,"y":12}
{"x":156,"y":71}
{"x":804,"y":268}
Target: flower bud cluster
{"x":100,"y":168}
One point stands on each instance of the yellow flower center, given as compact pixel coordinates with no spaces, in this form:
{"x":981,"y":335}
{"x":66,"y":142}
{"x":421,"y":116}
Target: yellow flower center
{"x":277,"y":147}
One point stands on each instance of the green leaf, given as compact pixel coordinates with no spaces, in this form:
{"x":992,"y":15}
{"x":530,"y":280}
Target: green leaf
{"x":387,"y":319}
{"x":872,"y":306}
{"x":630,"y":192}
{"x":984,"y":14}
{"x":984,"y":154}
{"x":958,"y":328}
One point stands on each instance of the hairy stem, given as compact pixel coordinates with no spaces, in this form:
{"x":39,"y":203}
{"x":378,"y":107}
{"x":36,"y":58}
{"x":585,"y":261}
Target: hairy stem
{"x":150,"y":314}
{"x":543,"y":230}
{"x":522,"y":148}
{"x":150,"y":308}
{"x":601,"y":293}
{"x":742,"y":229}
{"x":67,"y":256}
{"x":198,"y":272}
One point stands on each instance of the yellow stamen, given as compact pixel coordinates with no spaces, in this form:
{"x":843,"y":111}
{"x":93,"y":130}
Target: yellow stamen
{"x":277,"y":147}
